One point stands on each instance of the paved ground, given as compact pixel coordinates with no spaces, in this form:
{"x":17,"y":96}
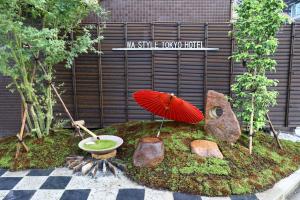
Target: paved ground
{"x":60,"y":183}
{"x":295,"y":195}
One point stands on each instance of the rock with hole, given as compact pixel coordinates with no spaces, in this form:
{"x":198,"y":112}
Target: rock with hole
{"x":225,"y":126}
{"x":205,"y":148}
{"x":149,"y":152}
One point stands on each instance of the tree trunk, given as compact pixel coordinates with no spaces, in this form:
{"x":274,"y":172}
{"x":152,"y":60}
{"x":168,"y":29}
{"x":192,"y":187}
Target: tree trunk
{"x":49,"y":115}
{"x":251,"y":125}
{"x":36,"y":123}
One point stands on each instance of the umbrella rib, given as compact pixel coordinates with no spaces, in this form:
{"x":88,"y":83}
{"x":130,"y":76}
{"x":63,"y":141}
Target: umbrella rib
{"x":178,"y":109}
{"x":153,"y":105}
{"x":149,"y":102}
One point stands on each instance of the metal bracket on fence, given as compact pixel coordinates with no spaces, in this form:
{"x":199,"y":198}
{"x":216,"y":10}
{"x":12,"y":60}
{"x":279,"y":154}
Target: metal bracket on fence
{"x":165,"y":49}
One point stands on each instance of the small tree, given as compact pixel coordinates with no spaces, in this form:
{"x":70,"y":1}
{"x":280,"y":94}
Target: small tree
{"x":255,"y":32}
{"x":34,"y":36}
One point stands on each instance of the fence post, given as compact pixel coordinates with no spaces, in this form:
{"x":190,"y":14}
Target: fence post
{"x":231,"y":62}
{"x":100,"y":79}
{"x":74,"y":85}
{"x":152,"y":62}
{"x":126,"y":71}
{"x":205,"y":65}
{"x":290,"y":72}
{"x":178,"y":60}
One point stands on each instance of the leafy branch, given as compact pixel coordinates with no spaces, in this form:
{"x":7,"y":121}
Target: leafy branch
{"x":255,"y":34}
{"x":35,"y":30}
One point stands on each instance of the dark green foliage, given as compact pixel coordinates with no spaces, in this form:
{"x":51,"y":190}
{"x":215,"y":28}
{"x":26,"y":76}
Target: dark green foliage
{"x":34,"y":36}
{"x":255,"y":29}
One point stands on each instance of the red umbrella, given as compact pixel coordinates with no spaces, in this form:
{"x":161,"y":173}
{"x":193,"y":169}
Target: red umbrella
{"x":168,"y":106}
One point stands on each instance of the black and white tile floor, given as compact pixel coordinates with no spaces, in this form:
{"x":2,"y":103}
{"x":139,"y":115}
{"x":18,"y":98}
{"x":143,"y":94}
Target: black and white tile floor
{"x":60,"y":183}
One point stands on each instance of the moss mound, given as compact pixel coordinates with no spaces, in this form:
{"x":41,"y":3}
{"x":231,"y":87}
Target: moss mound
{"x":47,"y":152}
{"x":182,"y":171}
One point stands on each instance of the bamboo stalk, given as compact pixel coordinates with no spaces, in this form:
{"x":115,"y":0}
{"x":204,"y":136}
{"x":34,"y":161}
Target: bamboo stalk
{"x":28,"y":122}
{"x":36,"y":123}
{"x":86,"y":130}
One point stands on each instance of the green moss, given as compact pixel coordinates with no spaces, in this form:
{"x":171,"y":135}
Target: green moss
{"x":240,"y":186}
{"x":292,"y":146}
{"x":215,"y":166}
{"x":174,"y":170}
{"x":107,"y":131}
{"x":197,"y":135}
{"x":175,"y":143}
{"x":5,"y":161}
{"x":167,"y":130}
{"x":183,"y":171}
{"x":211,"y":166}
{"x":265,"y":152}
{"x":221,"y":188}
{"x":266,"y":177}
{"x":47,"y":152}
{"x":206,"y":187}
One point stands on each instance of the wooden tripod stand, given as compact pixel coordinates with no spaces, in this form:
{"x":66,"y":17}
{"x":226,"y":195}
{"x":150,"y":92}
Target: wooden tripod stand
{"x":21,"y":135}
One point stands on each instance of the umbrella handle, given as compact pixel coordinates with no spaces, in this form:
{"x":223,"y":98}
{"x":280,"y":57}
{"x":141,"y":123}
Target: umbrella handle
{"x":158,"y":133}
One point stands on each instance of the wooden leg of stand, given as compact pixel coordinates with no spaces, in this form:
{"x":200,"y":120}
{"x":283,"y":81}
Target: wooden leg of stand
{"x":18,"y":150}
{"x":274,"y":132}
{"x":25,"y":146}
{"x":20,"y":135}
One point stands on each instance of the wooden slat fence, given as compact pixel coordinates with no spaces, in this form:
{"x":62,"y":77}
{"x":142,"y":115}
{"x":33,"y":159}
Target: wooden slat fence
{"x":98,"y":88}
{"x":103,"y":85}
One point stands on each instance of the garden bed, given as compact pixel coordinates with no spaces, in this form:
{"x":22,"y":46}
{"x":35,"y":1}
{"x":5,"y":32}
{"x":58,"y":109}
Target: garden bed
{"x":48,"y":152}
{"x":182,"y":171}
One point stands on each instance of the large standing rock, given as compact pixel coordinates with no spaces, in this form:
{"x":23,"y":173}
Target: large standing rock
{"x":226,"y":127}
{"x":149,"y":152}
{"x":205,"y":148}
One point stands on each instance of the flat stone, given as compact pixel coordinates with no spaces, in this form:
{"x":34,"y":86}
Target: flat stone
{"x":205,"y":148}
{"x":149,"y":152}
{"x":225,"y":127}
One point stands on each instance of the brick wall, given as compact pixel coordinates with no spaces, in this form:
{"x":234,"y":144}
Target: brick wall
{"x":199,"y":11}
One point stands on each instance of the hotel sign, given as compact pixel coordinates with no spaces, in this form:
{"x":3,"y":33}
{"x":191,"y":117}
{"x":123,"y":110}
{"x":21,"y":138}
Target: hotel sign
{"x":165,"y":46}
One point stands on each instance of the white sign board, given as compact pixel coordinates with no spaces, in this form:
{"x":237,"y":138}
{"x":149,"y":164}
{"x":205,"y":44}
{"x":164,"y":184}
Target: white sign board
{"x":165,"y":46}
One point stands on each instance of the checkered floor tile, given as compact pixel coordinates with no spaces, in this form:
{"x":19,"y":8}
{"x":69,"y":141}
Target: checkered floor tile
{"x":61,"y":183}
